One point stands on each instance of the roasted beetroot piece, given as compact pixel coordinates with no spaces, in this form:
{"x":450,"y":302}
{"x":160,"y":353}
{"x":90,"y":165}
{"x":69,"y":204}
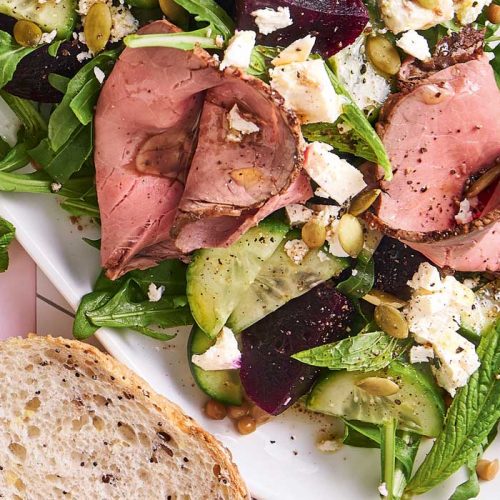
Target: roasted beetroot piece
{"x":395,"y":264}
{"x":270,"y":377}
{"x":334,"y":23}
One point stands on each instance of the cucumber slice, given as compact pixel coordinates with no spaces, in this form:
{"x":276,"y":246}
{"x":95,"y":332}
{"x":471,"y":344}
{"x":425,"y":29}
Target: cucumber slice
{"x":281,"y":280}
{"x":417,"y":406}
{"x":221,"y":385}
{"x":217,"y":278}
{"x":51,"y":15}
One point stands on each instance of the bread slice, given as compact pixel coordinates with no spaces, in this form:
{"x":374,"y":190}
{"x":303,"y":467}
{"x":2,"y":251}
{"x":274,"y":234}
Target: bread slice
{"x":76,"y":424}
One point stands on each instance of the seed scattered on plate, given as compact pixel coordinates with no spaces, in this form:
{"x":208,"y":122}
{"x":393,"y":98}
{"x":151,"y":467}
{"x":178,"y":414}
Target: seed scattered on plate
{"x":351,"y":236}
{"x":486,"y":180}
{"x":382,"y":54}
{"x":363,"y":201}
{"x":314,"y":234}
{"x":378,"y":386}
{"x":391,"y":321}
{"x":378,"y":297}
{"x":97,"y":27}
{"x":27,"y":33}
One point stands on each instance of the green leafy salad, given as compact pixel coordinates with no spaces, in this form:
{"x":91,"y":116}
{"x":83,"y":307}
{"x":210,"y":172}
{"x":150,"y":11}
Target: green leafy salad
{"x":313,"y":185}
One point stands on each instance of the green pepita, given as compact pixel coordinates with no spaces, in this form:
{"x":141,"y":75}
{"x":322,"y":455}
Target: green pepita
{"x":363,"y":201}
{"x":382,"y":54}
{"x":378,"y":386}
{"x":391,"y":321}
{"x":378,"y":297}
{"x":428,"y":4}
{"x":351,"y":236}
{"x":97,"y":28}
{"x":27,"y":34}
{"x":486,"y":180}
{"x":174,"y":12}
{"x":314,"y":234}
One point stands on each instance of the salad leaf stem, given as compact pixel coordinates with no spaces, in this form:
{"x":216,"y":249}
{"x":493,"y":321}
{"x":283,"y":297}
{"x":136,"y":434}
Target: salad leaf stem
{"x":7,"y":233}
{"x":388,"y":456}
{"x":183,"y":41}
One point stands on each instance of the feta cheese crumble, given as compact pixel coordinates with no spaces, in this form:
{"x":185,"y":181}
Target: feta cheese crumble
{"x":48,"y":37}
{"x":297,"y":214}
{"x":239,"y":50}
{"x":155,"y":293}
{"x":296,"y":250}
{"x":239,"y":125}
{"x":421,"y":354}
{"x":404,"y":15}
{"x":82,"y":56}
{"x":367,"y":88}
{"x":468,"y":10}
{"x":434,"y":319}
{"x":99,"y":74}
{"x":269,"y":20}
{"x":298,"y":51}
{"x":414,"y":45}
{"x":329,"y":445}
{"x":223,"y":355}
{"x":334,"y":175}
{"x":55,"y":187}
{"x":307,"y":90}
{"x":465,"y":214}
{"x":382,"y":489}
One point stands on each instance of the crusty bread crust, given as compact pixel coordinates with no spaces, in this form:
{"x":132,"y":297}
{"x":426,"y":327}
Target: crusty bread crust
{"x":94,"y":367}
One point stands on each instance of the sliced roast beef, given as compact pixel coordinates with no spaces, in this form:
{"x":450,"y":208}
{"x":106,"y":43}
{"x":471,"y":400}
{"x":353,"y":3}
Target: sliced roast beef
{"x":163,"y":153}
{"x":439,"y":135}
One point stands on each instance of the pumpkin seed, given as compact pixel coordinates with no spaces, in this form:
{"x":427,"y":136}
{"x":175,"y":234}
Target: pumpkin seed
{"x":174,"y":12}
{"x":486,"y":180}
{"x":314,"y":234}
{"x":363,"y":201}
{"x":97,"y":27}
{"x":351,"y":236}
{"x":391,"y":321}
{"x":27,"y":34}
{"x":378,"y":297}
{"x":487,"y":469}
{"x":382,"y":54}
{"x":493,"y":13}
{"x":428,"y":4}
{"x":378,"y":386}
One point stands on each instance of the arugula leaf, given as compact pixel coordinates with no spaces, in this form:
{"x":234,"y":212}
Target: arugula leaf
{"x":260,"y":62}
{"x":10,"y":55}
{"x":93,"y":243}
{"x":474,"y":412}
{"x":209,"y":11}
{"x":361,"y":283}
{"x":123,"y":311}
{"x":356,"y":119}
{"x":81,"y":207}
{"x":54,"y":47}
{"x":16,"y":158}
{"x":4,"y":148}
{"x":7,"y":233}
{"x":63,"y":163}
{"x":63,"y":122}
{"x":83,"y":328}
{"x":366,"y":351}
{"x":59,"y":82}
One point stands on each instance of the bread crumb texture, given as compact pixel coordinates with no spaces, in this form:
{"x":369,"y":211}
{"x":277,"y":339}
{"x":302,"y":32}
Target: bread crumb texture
{"x":75,"y":424}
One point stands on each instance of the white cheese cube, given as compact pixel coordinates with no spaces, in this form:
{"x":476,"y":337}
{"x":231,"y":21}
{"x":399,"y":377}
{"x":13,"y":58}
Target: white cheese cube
{"x":269,"y":20}
{"x":404,"y":15}
{"x":465,"y":214}
{"x":421,"y":354}
{"x":296,"y":250}
{"x":298,"y":51}
{"x":307,"y":90}
{"x":414,"y":45}
{"x":469,"y":10}
{"x":223,"y":355}
{"x":334,"y":175}
{"x":297,"y":214}
{"x":239,"y":50}
{"x":155,"y":292}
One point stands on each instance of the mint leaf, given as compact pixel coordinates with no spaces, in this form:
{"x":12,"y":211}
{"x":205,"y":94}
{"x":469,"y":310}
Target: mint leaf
{"x":7,"y":233}
{"x":471,"y":417}
{"x":10,"y":55}
{"x":469,"y":488}
{"x":366,"y":351}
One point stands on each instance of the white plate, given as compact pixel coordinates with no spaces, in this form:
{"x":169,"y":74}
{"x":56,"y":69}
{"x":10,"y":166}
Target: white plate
{"x":280,"y":460}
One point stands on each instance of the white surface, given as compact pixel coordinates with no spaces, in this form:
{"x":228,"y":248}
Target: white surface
{"x":267,"y":458}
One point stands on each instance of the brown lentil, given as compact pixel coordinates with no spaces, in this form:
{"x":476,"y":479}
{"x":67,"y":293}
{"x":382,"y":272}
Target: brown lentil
{"x":246,"y":425}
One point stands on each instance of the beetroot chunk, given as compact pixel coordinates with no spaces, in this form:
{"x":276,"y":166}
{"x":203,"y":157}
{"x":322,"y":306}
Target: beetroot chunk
{"x":270,"y":377}
{"x":334,"y":23}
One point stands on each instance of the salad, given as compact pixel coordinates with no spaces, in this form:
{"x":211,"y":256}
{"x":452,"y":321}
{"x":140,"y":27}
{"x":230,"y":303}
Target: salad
{"x":314,"y":185}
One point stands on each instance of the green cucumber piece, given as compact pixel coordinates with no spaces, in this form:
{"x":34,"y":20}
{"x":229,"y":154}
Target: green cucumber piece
{"x":417,"y":406}
{"x":281,"y":280}
{"x":48,"y":16}
{"x":217,"y":278}
{"x":221,"y":385}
